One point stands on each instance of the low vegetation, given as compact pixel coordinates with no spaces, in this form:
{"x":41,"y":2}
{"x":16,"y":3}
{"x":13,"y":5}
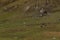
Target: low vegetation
{"x":17,"y":22}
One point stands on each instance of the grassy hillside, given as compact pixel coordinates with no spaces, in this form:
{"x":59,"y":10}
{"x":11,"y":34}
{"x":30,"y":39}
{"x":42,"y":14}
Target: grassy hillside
{"x":17,"y":24}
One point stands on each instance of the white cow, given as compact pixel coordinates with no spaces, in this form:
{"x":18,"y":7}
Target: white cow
{"x":42,"y":10}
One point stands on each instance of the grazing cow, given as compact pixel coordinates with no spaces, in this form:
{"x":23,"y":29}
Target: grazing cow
{"x":43,"y":12}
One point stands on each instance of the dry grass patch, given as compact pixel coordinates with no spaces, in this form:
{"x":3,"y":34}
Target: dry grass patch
{"x":48,"y":34}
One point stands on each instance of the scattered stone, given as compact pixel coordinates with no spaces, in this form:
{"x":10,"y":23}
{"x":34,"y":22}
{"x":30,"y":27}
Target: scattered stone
{"x":54,"y":38}
{"x":27,"y":8}
{"x":24,"y":23}
{"x":15,"y":37}
{"x":10,"y":8}
{"x":36,"y":7}
{"x":43,"y":25}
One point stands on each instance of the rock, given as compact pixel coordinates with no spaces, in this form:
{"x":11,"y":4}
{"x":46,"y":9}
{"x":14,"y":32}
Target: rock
{"x":54,"y":38}
{"x":43,"y":25}
{"x":10,"y":8}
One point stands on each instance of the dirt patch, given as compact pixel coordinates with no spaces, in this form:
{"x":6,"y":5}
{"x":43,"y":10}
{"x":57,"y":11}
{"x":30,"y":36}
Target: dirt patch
{"x":51,"y":33}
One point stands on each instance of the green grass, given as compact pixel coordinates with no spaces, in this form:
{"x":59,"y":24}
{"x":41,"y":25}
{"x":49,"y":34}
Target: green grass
{"x":12,"y":25}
